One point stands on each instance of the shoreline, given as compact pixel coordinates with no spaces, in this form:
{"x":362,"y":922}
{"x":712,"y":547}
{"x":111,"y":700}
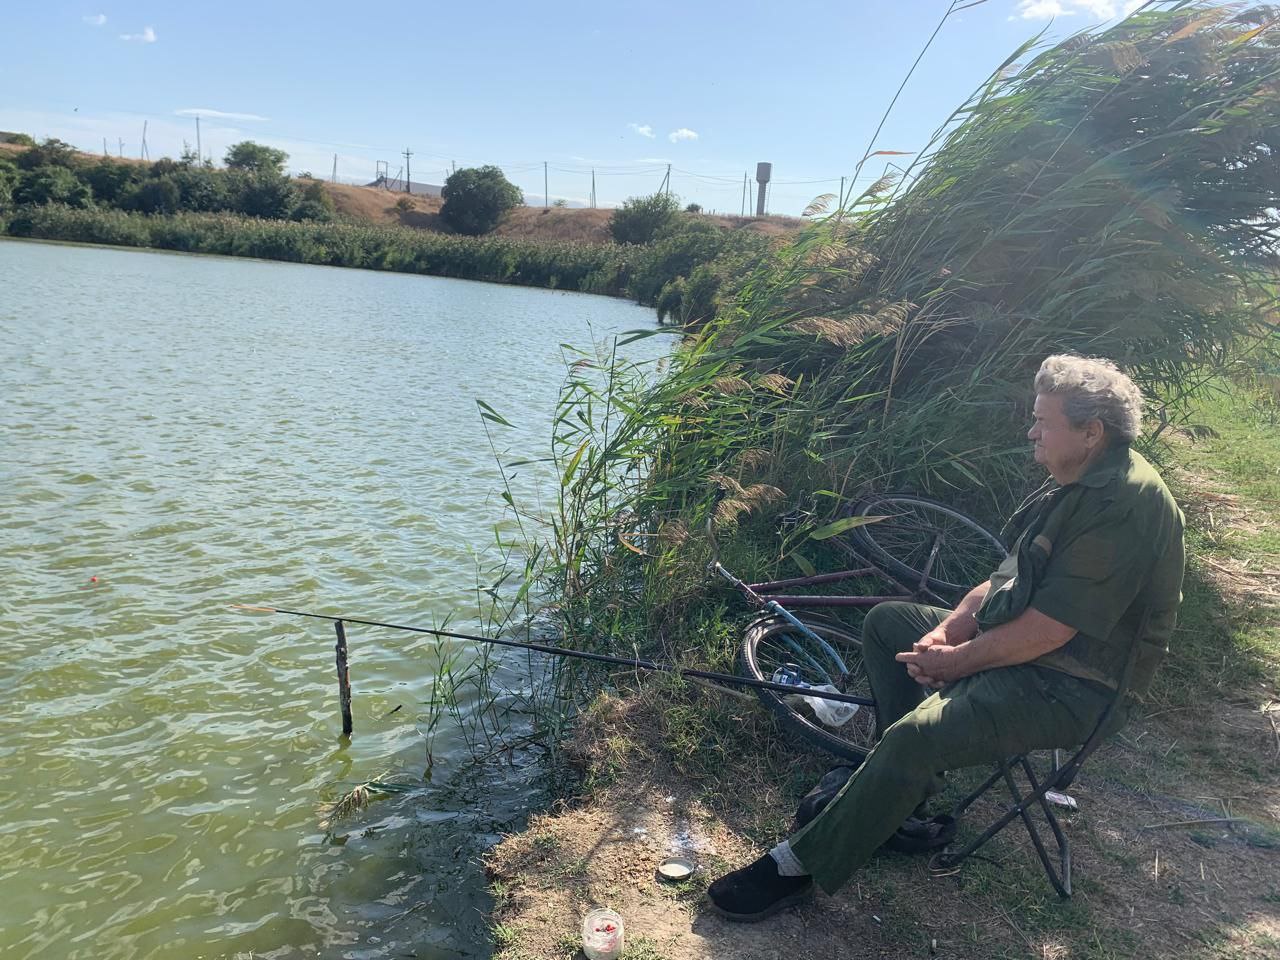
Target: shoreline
{"x":205,"y":255}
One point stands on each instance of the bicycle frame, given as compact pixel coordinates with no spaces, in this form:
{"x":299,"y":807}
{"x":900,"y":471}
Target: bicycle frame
{"x":766,"y":593}
{"x":765,"y":596}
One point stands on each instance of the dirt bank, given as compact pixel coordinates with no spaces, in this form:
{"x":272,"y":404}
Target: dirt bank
{"x":1142,"y":889}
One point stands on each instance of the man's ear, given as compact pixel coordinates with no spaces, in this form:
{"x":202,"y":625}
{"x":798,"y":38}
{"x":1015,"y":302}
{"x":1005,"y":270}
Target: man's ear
{"x":1094,"y":433}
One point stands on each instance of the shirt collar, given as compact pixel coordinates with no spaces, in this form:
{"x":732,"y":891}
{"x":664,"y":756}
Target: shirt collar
{"x":1107,"y":467}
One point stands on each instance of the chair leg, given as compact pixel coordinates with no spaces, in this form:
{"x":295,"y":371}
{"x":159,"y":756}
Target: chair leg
{"x":1060,"y":876}
{"x":948,"y":859}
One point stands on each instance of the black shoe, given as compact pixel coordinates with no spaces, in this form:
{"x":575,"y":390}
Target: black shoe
{"x":817,"y":799}
{"x":757,"y":891}
{"x":923,"y":834}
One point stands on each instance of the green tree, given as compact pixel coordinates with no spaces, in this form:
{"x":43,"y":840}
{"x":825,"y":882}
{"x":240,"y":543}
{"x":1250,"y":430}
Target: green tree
{"x":111,"y":179}
{"x":50,"y":152}
{"x":641,"y":219}
{"x":158,"y":195}
{"x":315,"y":204}
{"x":271,"y":196}
{"x":53,"y":184}
{"x":8,"y":180}
{"x":255,"y":157}
{"x":205,"y":189}
{"x":22,"y":140}
{"x":164,"y":166}
{"x":477,"y":198}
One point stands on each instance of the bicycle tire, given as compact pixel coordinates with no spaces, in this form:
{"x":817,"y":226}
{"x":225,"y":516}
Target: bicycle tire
{"x":767,"y":642}
{"x":968,"y":554}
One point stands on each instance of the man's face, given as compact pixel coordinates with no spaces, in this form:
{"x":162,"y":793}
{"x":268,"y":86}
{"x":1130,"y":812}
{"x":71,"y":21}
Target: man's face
{"x":1063,"y":449}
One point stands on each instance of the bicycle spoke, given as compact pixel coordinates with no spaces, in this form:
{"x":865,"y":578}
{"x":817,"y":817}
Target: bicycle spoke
{"x":773,"y":649}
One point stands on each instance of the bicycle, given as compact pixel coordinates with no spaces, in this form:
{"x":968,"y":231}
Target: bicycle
{"x":899,"y":538}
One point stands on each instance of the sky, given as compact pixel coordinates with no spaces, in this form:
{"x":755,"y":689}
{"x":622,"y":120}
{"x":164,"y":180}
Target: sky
{"x":620,"y":87}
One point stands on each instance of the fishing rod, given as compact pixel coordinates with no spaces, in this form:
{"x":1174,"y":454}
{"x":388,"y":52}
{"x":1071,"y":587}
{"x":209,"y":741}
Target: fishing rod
{"x":344,"y":682}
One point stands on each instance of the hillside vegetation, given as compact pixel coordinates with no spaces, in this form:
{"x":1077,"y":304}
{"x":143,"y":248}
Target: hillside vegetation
{"x":574,"y":224}
{"x":1114,"y":195}
{"x":251,"y":208}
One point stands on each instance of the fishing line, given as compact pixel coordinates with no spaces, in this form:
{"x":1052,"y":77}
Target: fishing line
{"x":632,"y":662}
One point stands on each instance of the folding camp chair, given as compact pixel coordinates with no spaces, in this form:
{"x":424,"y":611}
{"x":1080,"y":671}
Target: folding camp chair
{"x":1059,"y":777}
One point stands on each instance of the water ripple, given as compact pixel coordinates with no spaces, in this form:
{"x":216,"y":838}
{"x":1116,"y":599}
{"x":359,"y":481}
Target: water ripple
{"x":255,"y":432}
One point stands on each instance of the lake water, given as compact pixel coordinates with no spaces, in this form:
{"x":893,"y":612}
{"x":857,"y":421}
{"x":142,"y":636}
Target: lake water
{"x":197,"y":432}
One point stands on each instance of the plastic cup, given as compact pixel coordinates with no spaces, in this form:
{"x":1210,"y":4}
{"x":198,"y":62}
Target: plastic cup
{"x":602,"y":935}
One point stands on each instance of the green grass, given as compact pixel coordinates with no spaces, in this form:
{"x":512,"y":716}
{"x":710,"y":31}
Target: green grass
{"x":1242,"y":454}
{"x":1229,"y":483}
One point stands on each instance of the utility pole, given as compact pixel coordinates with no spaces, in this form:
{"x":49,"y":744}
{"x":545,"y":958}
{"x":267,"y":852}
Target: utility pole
{"x":593,"y":189}
{"x":199,"y":149}
{"x":546,"y":201}
{"x":453,"y":165}
{"x":841,"y":207}
{"x":145,"y":155}
{"x":743,"y":211}
{"x":120,"y":146}
{"x":104,"y":147}
{"x":408,"y":180}
{"x":334,"y":178}
{"x":667,"y":181}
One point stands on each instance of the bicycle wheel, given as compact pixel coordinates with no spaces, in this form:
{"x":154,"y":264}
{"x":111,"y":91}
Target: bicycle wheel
{"x":773,"y":648}
{"x":967,"y":552}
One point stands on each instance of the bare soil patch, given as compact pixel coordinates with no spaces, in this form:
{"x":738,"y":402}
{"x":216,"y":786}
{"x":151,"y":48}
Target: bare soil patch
{"x":1158,"y":870}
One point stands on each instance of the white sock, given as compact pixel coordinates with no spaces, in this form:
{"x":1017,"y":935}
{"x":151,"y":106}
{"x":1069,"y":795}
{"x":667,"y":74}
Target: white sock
{"x":789,"y":864}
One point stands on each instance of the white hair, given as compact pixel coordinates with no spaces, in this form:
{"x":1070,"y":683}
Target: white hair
{"x":1093,"y":389}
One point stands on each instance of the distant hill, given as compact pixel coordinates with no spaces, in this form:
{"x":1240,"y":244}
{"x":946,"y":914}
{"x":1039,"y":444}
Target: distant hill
{"x":433,"y":190}
{"x":532,"y":221}
{"x":397,"y":186}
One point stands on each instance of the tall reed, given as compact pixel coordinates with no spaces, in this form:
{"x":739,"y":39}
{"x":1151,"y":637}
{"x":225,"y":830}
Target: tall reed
{"x":1113,"y":195}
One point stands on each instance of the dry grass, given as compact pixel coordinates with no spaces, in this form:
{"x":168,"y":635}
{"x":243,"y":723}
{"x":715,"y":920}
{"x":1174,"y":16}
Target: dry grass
{"x":532,"y":223}
{"x":1141,"y":890}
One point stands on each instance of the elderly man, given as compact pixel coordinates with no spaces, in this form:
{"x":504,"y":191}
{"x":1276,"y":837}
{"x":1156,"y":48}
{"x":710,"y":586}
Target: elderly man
{"x":1028,"y":660}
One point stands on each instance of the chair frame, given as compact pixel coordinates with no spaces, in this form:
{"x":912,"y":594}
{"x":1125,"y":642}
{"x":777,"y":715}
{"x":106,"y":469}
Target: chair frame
{"x":1059,"y":776}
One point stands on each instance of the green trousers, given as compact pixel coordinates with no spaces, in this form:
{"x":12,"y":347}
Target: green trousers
{"x":977,"y":720}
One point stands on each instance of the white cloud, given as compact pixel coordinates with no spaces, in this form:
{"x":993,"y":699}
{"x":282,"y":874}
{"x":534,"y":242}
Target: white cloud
{"x":684,"y":133}
{"x":96,"y":20}
{"x":1096,"y":9}
{"x":643,"y":129}
{"x":217,"y":114}
{"x":1041,"y":10}
{"x":148,"y":35}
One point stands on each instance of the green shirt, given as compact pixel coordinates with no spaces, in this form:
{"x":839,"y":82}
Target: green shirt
{"x":1098,"y":555}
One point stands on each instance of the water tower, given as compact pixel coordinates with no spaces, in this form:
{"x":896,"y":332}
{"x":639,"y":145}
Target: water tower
{"x":763,"y":172}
